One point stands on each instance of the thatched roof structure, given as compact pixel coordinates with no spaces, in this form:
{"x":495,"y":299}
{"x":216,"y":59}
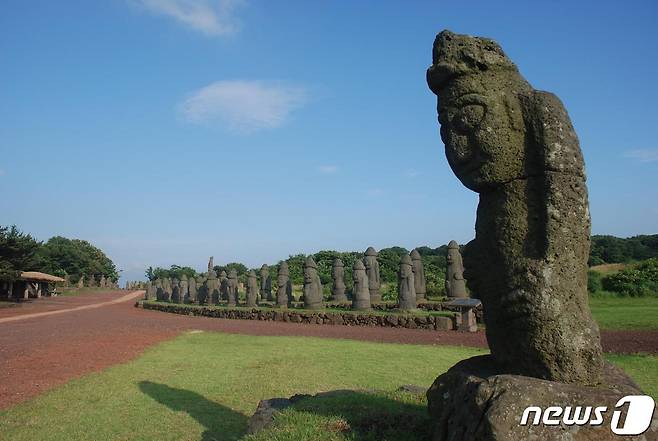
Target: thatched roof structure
{"x":35,"y":276}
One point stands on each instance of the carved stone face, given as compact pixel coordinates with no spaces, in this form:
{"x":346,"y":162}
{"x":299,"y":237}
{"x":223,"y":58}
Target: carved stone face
{"x":483,"y":132}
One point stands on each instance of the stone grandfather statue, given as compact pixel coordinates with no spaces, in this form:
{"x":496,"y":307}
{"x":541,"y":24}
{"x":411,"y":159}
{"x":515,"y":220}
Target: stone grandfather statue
{"x":265,"y":283}
{"x":455,"y":283}
{"x":312,"y":285}
{"x":406,"y":284}
{"x":252,"y":289}
{"x":175,"y":292}
{"x":232,"y":288}
{"x":211,"y":264}
{"x":360,"y":290}
{"x":517,"y":148}
{"x":284,"y":287}
{"x":420,"y":283}
{"x":192,"y":290}
{"x":223,"y":286}
{"x":338,"y":277}
{"x":372,"y":269}
{"x":184,"y":289}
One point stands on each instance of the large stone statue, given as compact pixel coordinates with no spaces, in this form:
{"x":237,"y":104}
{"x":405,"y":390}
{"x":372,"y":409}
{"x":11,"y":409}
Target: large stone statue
{"x":159,"y":292}
{"x":191,"y":290}
{"x":455,"y":283}
{"x":211,"y":264}
{"x":265,"y":283}
{"x":312,"y":286}
{"x":360,"y":290}
{"x":406,"y":284}
{"x":232,"y":288}
{"x":284,"y":287}
{"x":338,"y":287}
{"x":166,"y":289}
{"x":372,"y":269}
{"x":420,"y":283}
{"x":516,"y":147}
{"x":252,"y":289}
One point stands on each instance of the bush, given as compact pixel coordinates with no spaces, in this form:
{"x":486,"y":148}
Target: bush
{"x":594,"y":283}
{"x":638,"y":281}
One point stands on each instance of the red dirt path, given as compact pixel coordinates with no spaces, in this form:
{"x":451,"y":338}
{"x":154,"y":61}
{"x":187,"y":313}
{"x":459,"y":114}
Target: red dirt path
{"x":39,"y":353}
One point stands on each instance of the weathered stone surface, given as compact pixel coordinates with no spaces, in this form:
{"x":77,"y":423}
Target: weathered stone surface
{"x":159,"y":293}
{"x":91,"y":282}
{"x":338,"y":277}
{"x":211,"y":264}
{"x":102,"y":282}
{"x":517,"y":148}
{"x":312,"y":286}
{"x":81,"y":281}
{"x":372,"y":269}
{"x":420,"y":283}
{"x":406,"y":284}
{"x":265,"y":283}
{"x":455,"y":283}
{"x":284,"y":286}
{"x":474,"y":402}
{"x":252,"y":288}
{"x":232,"y":288}
{"x":360,"y":290}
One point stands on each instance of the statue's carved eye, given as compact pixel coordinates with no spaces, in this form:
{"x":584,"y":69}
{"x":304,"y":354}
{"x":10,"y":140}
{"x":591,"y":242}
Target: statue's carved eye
{"x":469,"y":117}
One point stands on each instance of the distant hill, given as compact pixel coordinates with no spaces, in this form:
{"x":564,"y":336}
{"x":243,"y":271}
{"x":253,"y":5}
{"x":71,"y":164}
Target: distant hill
{"x":611,"y":249}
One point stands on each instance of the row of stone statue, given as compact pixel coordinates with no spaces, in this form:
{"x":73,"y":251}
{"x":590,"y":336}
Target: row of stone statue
{"x":210,"y":289}
{"x":90,"y":281}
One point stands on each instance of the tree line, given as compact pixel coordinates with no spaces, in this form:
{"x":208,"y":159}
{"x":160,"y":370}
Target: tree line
{"x":58,"y":256}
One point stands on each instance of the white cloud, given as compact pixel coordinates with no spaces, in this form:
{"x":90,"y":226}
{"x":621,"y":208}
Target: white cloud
{"x":643,"y":155}
{"x":328,"y":169}
{"x":412,"y":173}
{"x":212,"y":17}
{"x":244,"y":106}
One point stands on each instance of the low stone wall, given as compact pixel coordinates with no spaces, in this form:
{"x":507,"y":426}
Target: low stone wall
{"x":410,"y":321}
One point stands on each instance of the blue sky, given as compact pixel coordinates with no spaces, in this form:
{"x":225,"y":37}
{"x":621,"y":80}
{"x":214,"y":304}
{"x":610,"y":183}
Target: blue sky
{"x":166,"y":131}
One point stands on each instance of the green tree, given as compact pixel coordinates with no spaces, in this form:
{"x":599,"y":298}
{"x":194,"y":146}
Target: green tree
{"x":75,"y":257}
{"x":17,"y":253}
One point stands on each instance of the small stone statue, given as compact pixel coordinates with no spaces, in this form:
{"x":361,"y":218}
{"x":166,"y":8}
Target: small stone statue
{"x":419,"y":276}
{"x":338,"y":276}
{"x":159,"y":292}
{"x":90,"y":281}
{"x":192,"y":290}
{"x":406,"y":284}
{"x":223,"y":286}
{"x":284,"y":287}
{"x":211,"y":264}
{"x":213,"y":288}
{"x":372,"y":269}
{"x":232,"y":288}
{"x":252,"y":289}
{"x":455,"y":283}
{"x":102,"y":281}
{"x":265,"y":283}
{"x":312,"y":285}
{"x":81,"y":281}
{"x":148,"y":295}
{"x":360,"y":290}
{"x":176,"y":296}
{"x":166,"y":289}
{"x":184,"y":289}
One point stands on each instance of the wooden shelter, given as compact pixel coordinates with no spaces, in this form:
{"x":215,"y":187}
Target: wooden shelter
{"x":29,"y":284}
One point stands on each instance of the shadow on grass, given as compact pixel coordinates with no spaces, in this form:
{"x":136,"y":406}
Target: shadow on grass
{"x":360,"y":415}
{"x":220,"y":422}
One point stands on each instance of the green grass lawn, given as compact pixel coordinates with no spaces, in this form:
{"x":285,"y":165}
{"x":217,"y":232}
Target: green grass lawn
{"x":615,"y":312}
{"x":204,"y":386}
